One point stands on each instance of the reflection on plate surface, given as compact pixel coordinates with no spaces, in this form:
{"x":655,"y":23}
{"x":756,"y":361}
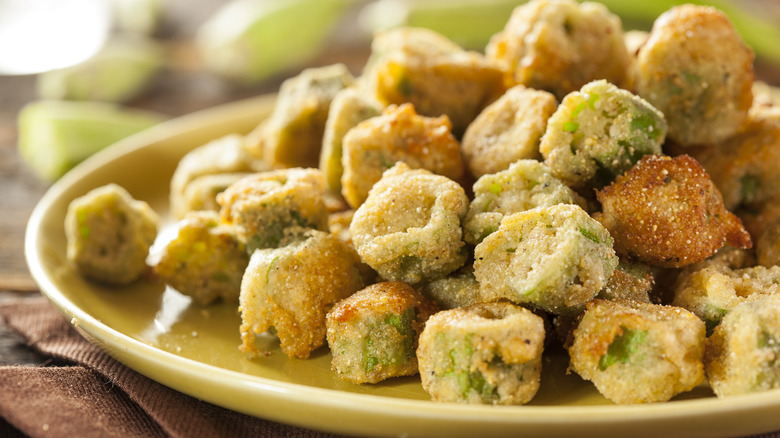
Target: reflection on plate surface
{"x":163,"y":335}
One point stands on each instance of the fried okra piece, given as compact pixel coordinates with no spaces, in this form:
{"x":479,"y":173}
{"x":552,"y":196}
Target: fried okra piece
{"x":768,"y":245}
{"x":629,"y":281}
{"x":638,"y":352}
{"x":526,"y":184}
{"x":561,"y":45}
{"x":349,"y":107}
{"x":742,"y":354}
{"x":508,"y":130}
{"x":695,"y":69}
{"x":713,"y":288}
{"x":424,"y":68}
{"x":205,"y":260}
{"x":224,"y":155}
{"x":458,"y":289}
{"x":488,"y":353}
{"x":373,"y":333}
{"x":399,"y":134}
{"x":409,"y":227}
{"x":667,"y":212}
{"x":109,"y":235}
{"x":553,"y":258}
{"x":745,"y":166}
{"x":598,"y":133}
{"x":292,"y":288}
{"x":292,"y":135}
{"x":264,"y":205}
{"x":201,"y":193}
{"x":763,"y":225}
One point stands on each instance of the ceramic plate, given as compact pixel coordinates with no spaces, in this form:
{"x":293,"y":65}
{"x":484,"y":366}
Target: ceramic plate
{"x":157,"y":332}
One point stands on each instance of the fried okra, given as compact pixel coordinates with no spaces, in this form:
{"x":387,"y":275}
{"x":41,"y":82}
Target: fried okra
{"x":667,"y":212}
{"x":424,"y":68}
{"x":399,"y":134}
{"x":742,"y":354}
{"x":713,"y":288}
{"x":409,"y":227}
{"x":205,"y":260}
{"x":201,"y":193}
{"x":526,"y":184}
{"x":458,"y":289}
{"x":373,"y":333}
{"x":292,"y":288}
{"x":488,"y":353}
{"x":598,"y":133}
{"x":629,"y":281}
{"x":561,"y":45}
{"x":349,"y":107}
{"x":695,"y":68}
{"x":109,"y":234}
{"x":264,"y":205}
{"x":745,"y":166}
{"x":224,"y":155}
{"x":554,"y":258}
{"x":508,"y":130}
{"x":292,"y":135}
{"x":638,"y":352}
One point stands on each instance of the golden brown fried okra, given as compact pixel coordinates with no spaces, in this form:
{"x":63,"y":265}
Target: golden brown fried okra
{"x":292,"y":288}
{"x":109,"y":234}
{"x":399,"y":134}
{"x":554,"y":258}
{"x":629,"y":281}
{"x":409,"y":227}
{"x":458,"y":289}
{"x":224,"y":155}
{"x":695,"y":68}
{"x":373,"y":333}
{"x":598,"y":133}
{"x":349,"y":107}
{"x":201,"y":193}
{"x":263,"y":205}
{"x":742,"y":354}
{"x":205,"y":260}
{"x":526,"y":184}
{"x":292,"y":135}
{"x":746,"y":166}
{"x":560,"y":45}
{"x":488,"y":353}
{"x":507,"y":130}
{"x":638,"y":352}
{"x":422,"y":67}
{"x":666,"y":212}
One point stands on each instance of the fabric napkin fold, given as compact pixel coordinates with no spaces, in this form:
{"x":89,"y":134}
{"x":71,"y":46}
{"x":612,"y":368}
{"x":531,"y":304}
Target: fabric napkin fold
{"x":84,"y":392}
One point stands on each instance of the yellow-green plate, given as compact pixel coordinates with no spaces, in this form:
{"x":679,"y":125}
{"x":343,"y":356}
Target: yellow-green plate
{"x":194,"y":350}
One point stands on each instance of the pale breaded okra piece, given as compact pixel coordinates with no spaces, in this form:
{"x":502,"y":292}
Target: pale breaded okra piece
{"x":695,"y":69}
{"x":598,"y":133}
{"x":292,"y":288}
{"x":667,"y":212}
{"x":409,"y":227}
{"x":109,"y":234}
{"x":224,"y":155}
{"x":742,"y":354}
{"x":265,"y":205}
{"x":526,"y":184}
{"x":292,"y":135}
{"x":489,"y":353}
{"x":508,"y":130}
{"x":399,"y":134}
{"x":560,"y":45}
{"x":201,"y":193}
{"x":373,"y":333}
{"x":458,"y":289}
{"x":349,"y":107}
{"x":553,"y":258}
{"x":424,"y":68}
{"x":205,"y":260}
{"x":638,"y":352}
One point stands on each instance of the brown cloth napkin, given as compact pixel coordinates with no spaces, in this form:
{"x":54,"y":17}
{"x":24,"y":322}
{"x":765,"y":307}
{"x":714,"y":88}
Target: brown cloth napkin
{"x":84,"y":392}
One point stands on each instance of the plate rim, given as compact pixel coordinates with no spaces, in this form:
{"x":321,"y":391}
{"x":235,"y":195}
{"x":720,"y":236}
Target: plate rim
{"x":420,"y":416}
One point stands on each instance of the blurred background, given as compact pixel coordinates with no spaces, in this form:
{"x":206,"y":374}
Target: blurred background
{"x":133,"y":63}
